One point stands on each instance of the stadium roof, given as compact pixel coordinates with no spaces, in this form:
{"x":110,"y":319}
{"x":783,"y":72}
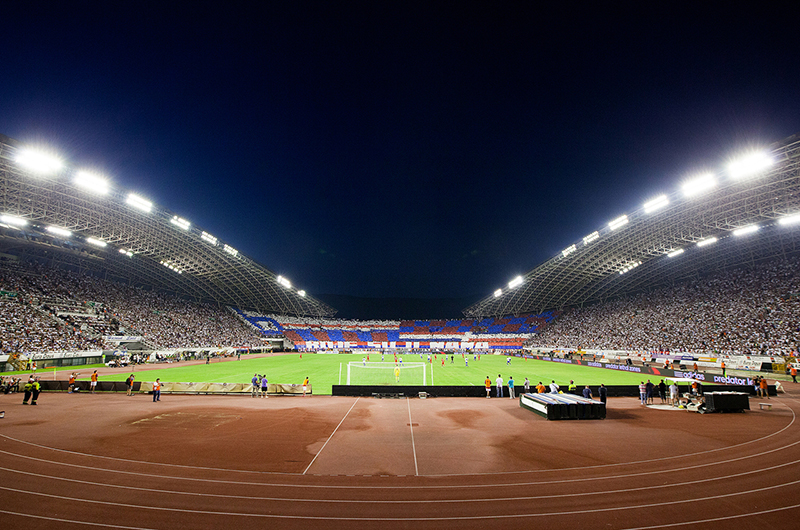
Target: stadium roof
{"x":671,"y":237}
{"x":47,"y":213}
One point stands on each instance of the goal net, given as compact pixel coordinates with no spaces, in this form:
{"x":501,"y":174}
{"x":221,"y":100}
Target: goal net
{"x":383,"y":374}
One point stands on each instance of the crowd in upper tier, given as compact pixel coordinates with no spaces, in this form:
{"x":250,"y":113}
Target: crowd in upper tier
{"x":749,"y":310}
{"x":753,"y":310}
{"x":34,"y":296}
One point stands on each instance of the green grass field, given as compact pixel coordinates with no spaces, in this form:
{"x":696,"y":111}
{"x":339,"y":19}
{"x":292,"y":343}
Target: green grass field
{"x":323,"y":371}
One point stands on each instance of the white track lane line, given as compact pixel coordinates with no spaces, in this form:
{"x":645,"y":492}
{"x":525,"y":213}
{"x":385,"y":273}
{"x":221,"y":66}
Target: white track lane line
{"x":659,"y":504}
{"x":331,"y":436}
{"x":413,"y":445}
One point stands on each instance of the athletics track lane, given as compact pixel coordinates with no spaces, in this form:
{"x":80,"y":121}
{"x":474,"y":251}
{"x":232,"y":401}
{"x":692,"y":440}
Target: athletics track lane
{"x":534,"y":471}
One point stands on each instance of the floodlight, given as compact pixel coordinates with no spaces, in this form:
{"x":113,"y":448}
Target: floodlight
{"x":59,"y":231}
{"x":498,"y":293}
{"x":205,"y":236}
{"x":655,"y":204}
{"x":172,"y":267}
{"x":180,"y":223}
{"x":92,"y":182}
{"x":515,"y":282}
{"x":569,"y":250}
{"x":230,"y":250}
{"x":301,"y":293}
{"x":138,"y":202}
{"x":674,"y":253}
{"x":126,"y":252}
{"x":699,"y":184}
{"x":96,"y":242}
{"x":13,"y":220}
{"x":630,"y":267}
{"x":790,"y":220}
{"x":622,"y":220}
{"x":749,"y":165}
{"x":591,"y":237}
{"x":39,"y":162}
{"x":706,"y":241}
{"x":283,"y":281}
{"x":745,"y":230}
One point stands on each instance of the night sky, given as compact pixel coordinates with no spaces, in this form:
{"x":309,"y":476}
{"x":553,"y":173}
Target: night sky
{"x":382,"y":149}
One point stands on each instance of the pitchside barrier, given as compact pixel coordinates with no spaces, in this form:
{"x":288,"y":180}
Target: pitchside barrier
{"x":176,"y":388}
{"x":480,"y":391}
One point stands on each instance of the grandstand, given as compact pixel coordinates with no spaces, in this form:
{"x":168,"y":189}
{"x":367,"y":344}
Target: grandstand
{"x":60,"y":215}
{"x":743,"y":213}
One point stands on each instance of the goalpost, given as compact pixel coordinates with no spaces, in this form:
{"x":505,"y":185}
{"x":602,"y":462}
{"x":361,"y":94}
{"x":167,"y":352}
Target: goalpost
{"x":383,"y":374}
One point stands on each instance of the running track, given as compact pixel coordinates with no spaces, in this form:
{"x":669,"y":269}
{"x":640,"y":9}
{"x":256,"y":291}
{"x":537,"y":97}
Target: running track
{"x":198,"y":462}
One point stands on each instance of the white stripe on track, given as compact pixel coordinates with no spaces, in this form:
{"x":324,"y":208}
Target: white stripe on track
{"x":413,"y":445}
{"x":331,"y":436}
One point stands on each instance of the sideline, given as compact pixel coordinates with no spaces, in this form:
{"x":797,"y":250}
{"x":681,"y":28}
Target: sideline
{"x":413,"y":445}
{"x":331,"y":436}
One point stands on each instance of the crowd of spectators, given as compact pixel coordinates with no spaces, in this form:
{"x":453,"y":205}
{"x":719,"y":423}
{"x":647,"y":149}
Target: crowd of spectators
{"x":34,"y":297}
{"x":741,"y":311}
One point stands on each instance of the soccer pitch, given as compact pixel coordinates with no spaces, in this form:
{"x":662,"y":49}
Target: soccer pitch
{"x":323,"y":371}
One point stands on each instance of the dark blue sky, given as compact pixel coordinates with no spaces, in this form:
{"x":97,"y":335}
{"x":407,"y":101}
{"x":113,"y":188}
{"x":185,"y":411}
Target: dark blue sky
{"x":399,"y":149}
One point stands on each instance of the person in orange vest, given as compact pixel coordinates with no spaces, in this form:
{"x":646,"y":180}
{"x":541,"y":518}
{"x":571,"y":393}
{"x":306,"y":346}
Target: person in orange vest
{"x":793,"y":372}
{"x":763,"y":388}
{"x":488,"y":384}
{"x":723,"y":368}
{"x":305,"y":386}
{"x":157,"y":390}
{"x":93,"y":384}
{"x":72,"y":382}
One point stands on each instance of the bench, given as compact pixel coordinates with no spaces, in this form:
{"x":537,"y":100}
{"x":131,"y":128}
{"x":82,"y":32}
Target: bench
{"x":763,"y":406}
{"x":390,"y":395}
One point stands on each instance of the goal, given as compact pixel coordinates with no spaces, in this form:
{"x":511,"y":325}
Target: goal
{"x":383,"y":374}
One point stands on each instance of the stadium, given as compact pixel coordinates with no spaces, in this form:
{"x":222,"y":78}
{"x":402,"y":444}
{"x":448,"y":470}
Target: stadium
{"x":99,"y":279}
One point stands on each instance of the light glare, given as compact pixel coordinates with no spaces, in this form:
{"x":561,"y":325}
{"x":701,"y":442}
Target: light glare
{"x":790,"y":220}
{"x":39,"y":162}
{"x":745,"y":230}
{"x":498,"y":293}
{"x":96,"y":242}
{"x":569,"y":250}
{"x":591,"y":237}
{"x":180,"y":223}
{"x":13,"y":220}
{"x":620,"y":221}
{"x":205,"y":236}
{"x":138,"y":202}
{"x":707,"y":241}
{"x":749,"y":165}
{"x":301,"y":293}
{"x":515,"y":282}
{"x":699,"y":184}
{"x":674,"y":253}
{"x":92,"y":182}
{"x":656,"y":204}
{"x":63,"y":232}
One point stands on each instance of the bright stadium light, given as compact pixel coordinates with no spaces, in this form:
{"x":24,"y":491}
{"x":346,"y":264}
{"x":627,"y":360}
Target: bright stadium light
{"x":283,"y":281}
{"x":301,"y":293}
{"x":92,"y":182}
{"x":63,"y":232}
{"x":569,"y":250}
{"x":498,"y":293}
{"x":515,"y":282}
{"x":620,"y":221}
{"x":172,"y":267}
{"x":126,"y":252}
{"x":96,"y":242}
{"x":749,"y":165}
{"x":205,"y":236}
{"x":13,"y":220}
{"x":591,"y":237}
{"x":39,"y":162}
{"x":230,"y":250}
{"x":656,"y":204}
{"x":630,"y":267}
{"x":674,"y":253}
{"x":707,"y":241}
{"x":790,"y":220}
{"x":180,"y":223}
{"x":699,"y":184}
{"x":745,"y":230}
{"x":138,"y":202}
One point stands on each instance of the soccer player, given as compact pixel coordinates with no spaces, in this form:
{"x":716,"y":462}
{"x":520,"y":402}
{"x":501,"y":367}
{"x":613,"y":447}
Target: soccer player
{"x":397,"y":373}
{"x":508,"y":360}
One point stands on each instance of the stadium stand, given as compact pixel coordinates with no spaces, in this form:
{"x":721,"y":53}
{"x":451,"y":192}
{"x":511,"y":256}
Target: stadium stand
{"x":740,"y":311}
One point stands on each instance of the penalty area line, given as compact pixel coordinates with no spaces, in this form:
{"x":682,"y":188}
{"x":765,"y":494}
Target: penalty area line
{"x":331,"y":436}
